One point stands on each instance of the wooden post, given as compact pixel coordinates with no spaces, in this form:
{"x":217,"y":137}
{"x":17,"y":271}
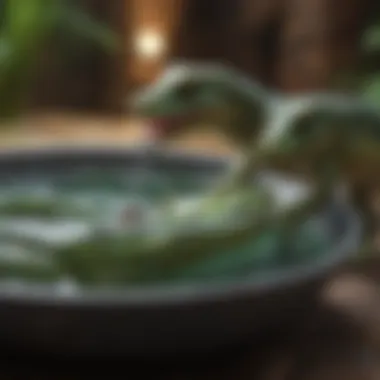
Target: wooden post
{"x":319,"y":37}
{"x":207,"y":30}
{"x":116,"y":84}
{"x":157,"y":20}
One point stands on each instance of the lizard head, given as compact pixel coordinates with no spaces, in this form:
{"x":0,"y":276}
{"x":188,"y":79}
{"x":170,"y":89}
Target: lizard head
{"x":190,"y":93}
{"x":302,"y":137}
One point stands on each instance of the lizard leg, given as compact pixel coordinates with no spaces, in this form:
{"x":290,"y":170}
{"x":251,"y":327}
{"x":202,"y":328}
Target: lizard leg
{"x":367,"y":208}
{"x":240,"y":175}
{"x":329,"y":178}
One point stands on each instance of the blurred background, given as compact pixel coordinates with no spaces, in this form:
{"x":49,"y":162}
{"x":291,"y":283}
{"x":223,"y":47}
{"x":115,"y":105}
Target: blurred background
{"x":84,"y":74}
{"x":293,"y":45}
{"x":68,"y":66}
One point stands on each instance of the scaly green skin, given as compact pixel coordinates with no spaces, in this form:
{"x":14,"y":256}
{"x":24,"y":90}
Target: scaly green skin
{"x":188,"y":93}
{"x":215,"y":95}
{"x":306,"y":134}
{"x":204,"y":90}
{"x":321,"y":133}
{"x":345,"y":129}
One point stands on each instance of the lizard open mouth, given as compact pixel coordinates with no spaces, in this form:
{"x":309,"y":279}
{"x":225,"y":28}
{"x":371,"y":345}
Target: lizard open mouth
{"x":164,"y":126}
{"x":168,"y":126}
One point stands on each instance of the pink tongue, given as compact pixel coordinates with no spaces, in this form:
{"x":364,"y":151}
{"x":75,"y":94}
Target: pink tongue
{"x":159,"y":128}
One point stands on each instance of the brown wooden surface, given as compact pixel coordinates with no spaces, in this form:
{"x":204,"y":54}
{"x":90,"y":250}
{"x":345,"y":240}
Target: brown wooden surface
{"x":331,"y":347}
{"x":46,"y":129}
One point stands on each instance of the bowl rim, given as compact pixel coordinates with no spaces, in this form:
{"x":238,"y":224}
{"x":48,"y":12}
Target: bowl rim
{"x":148,"y":295}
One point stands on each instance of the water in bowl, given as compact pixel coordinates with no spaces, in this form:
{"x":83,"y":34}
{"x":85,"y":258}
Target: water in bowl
{"x":67,"y":207}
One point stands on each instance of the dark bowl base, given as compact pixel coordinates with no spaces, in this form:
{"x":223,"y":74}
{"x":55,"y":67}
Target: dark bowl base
{"x":241,"y":327}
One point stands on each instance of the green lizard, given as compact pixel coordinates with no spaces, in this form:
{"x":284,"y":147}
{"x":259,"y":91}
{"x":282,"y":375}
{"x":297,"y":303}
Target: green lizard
{"x":326,"y":128}
{"x":219,"y":96}
{"x":189,"y":93}
{"x":319,"y":133}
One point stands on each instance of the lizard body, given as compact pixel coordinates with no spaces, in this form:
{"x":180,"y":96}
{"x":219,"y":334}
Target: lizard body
{"x":320,"y":133}
{"x":245,"y":110}
{"x":308,"y":130}
{"x":190,"y":93}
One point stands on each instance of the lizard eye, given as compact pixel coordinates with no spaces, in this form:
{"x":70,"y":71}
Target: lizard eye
{"x":187,"y":91}
{"x":305,"y":127}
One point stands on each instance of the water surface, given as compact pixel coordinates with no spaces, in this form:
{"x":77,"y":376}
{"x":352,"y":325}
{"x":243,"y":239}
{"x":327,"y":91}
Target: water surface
{"x":66,"y":207}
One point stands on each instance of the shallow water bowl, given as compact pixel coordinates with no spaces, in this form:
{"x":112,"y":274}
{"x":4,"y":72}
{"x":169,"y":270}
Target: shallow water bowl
{"x":160,"y":319}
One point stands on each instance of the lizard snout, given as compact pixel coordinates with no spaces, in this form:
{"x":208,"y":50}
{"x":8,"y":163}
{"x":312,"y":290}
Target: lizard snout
{"x":135,"y":104}
{"x":141,"y":101}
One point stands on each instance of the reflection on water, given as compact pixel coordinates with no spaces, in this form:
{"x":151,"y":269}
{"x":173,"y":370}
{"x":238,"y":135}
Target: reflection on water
{"x":71,"y":207}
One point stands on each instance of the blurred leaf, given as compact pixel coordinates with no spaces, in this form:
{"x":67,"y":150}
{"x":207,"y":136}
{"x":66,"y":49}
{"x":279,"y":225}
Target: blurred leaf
{"x":26,"y":27}
{"x":371,"y":88}
{"x":365,"y":76}
{"x":77,"y":23}
{"x":371,"y":39}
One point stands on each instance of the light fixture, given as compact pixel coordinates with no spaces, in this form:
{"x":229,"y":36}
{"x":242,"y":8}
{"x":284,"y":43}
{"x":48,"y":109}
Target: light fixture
{"x":149,"y":44}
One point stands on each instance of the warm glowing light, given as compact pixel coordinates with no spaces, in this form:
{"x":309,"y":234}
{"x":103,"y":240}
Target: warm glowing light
{"x":150,"y":44}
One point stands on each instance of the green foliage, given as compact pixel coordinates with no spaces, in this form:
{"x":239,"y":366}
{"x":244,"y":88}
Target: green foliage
{"x":76,"y":25}
{"x":371,"y":87}
{"x":27,"y":26}
{"x":365,"y":77}
{"x":370,"y":75}
{"x":371,"y":39}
